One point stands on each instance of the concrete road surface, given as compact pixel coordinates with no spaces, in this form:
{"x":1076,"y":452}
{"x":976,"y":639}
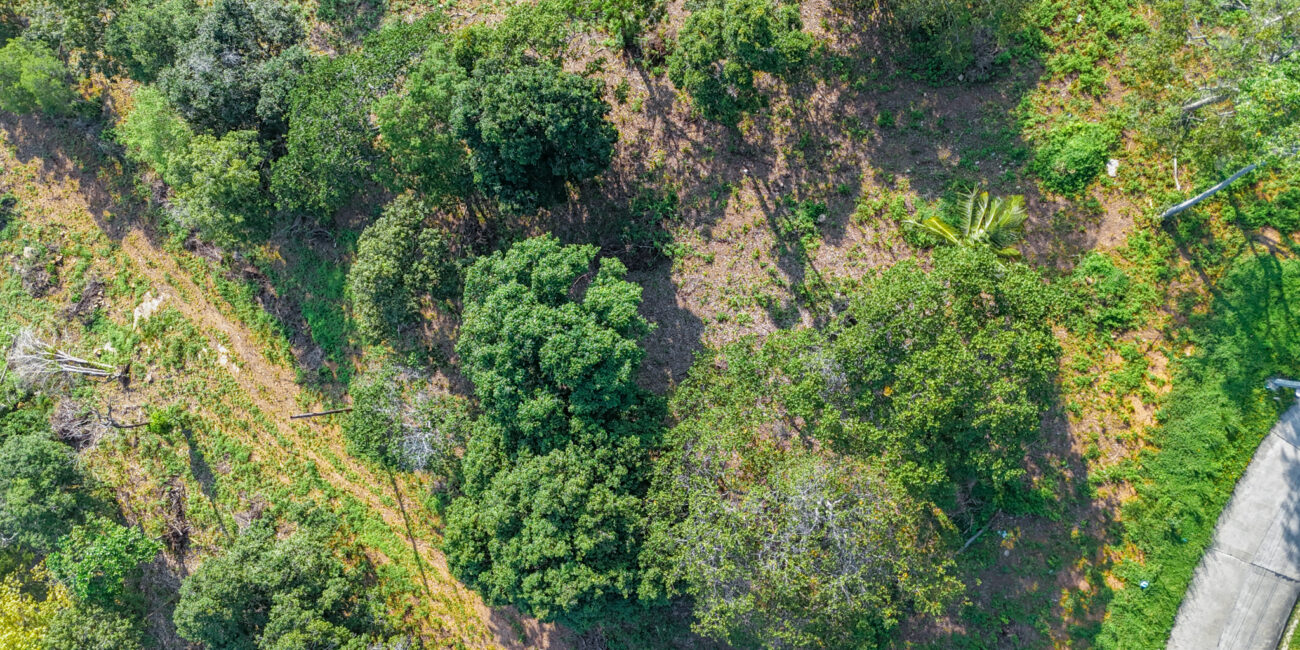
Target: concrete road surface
{"x":1247,"y":583}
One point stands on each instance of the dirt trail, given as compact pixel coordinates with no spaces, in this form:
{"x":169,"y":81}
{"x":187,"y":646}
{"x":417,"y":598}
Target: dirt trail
{"x":272,"y":388}
{"x":65,"y":190}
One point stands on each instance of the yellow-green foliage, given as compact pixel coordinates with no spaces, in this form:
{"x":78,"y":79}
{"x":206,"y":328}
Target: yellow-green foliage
{"x":24,"y":617}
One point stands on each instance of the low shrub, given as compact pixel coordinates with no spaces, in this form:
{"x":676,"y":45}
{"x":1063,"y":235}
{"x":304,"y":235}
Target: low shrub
{"x":1069,"y":157}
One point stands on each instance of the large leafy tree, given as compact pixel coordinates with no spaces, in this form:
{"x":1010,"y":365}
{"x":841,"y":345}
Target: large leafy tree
{"x":531,"y":128}
{"x":721,"y":46}
{"x":781,"y":543}
{"x":86,"y":626}
{"x":32,"y":79}
{"x":40,"y":491}
{"x":73,"y":28}
{"x":153,"y":132}
{"x":216,"y":182}
{"x":96,"y":561}
{"x":265,"y":592}
{"x":145,"y":37}
{"x":217,"y":80}
{"x":330,"y":147}
{"x":550,"y":518}
{"x":25,"y":619}
{"x":402,"y":259}
{"x":947,"y":373}
{"x":415,"y":126}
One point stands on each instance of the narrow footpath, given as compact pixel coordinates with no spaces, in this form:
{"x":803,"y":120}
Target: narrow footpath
{"x":1247,"y":583}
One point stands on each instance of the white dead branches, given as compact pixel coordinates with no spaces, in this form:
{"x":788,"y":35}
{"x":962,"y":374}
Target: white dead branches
{"x":35,"y":362}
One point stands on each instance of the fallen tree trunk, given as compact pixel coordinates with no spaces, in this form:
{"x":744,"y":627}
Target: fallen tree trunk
{"x":319,"y":413}
{"x":1210,"y":192}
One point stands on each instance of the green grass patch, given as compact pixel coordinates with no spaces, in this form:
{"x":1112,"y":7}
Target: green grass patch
{"x":1208,"y":430}
{"x":317,"y":284}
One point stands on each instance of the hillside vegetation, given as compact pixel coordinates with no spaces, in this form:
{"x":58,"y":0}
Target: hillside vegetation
{"x":633,"y":323}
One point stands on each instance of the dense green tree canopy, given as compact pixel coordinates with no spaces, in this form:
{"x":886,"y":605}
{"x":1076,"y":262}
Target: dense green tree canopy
{"x":945,"y":373}
{"x":217,"y":79}
{"x":547,"y":367}
{"x":402,"y":259}
{"x":96,"y":560}
{"x":217,"y":183}
{"x":154,"y":133}
{"x":722,"y":45}
{"x":86,"y":626}
{"x":373,"y":428}
{"x":550,"y":518}
{"x":145,"y":37}
{"x":40,"y":497}
{"x":32,"y":79}
{"x":329,"y":150}
{"x":415,"y":126}
{"x":531,"y":128}
{"x":73,"y":28}
{"x":265,"y":592}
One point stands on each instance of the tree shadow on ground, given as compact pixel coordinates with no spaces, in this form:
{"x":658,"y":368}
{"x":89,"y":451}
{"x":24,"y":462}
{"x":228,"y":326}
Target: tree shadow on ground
{"x":202,"y":473}
{"x":515,"y":631}
{"x":160,"y":583}
{"x":1017,"y":561}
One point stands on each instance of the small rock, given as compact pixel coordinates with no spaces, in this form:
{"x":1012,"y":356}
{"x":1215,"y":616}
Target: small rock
{"x":223,"y":358}
{"x":1112,"y":167}
{"x":146,"y":308}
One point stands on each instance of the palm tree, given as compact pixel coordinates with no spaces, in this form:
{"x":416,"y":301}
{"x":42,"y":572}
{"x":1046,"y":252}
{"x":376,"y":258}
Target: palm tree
{"x":997,"y":222}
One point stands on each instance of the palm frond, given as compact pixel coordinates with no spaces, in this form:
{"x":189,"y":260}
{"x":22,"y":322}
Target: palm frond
{"x":968,"y":215}
{"x":998,"y":222}
{"x":941,"y":229}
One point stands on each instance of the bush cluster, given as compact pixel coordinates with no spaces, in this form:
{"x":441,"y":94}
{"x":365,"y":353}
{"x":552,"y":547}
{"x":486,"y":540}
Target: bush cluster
{"x":1069,"y":157}
{"x":721,"y":47}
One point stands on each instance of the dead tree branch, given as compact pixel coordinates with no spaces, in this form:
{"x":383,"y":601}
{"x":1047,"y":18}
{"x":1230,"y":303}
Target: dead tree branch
{"x":35,"y":362}
{"x":981,"y":532}
{"x":1189,"y":203}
